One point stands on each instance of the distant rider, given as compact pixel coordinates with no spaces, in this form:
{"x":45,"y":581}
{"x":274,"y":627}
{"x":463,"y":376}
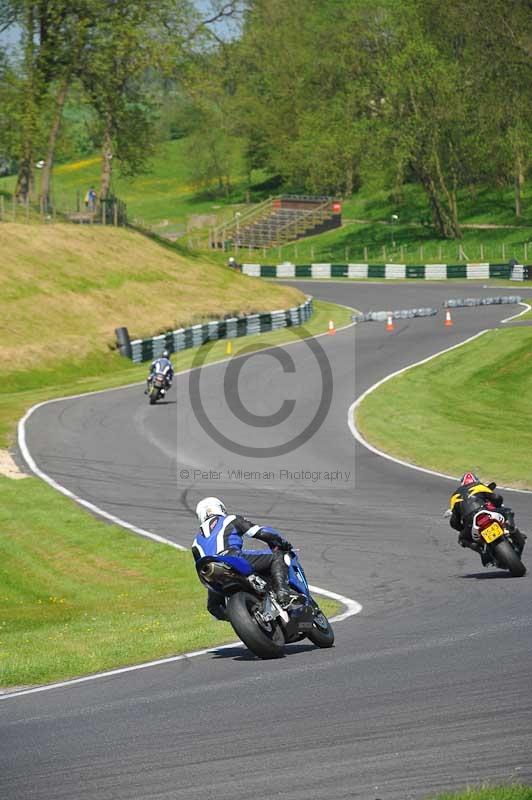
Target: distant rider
{"x":221,"y":533}
{"x":470,"y":497}
{"x":164,"y":365}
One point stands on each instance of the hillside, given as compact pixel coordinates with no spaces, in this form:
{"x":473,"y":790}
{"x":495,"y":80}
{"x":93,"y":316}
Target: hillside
{"x":64,"y":289}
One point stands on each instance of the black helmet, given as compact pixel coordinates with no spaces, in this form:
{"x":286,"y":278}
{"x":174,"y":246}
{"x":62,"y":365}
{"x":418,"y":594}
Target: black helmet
{"x":165,"y":354}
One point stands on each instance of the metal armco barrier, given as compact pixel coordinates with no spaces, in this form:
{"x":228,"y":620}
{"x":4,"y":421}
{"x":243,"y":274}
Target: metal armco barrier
{"x":182,"y":339}
{"x":435,"y":272}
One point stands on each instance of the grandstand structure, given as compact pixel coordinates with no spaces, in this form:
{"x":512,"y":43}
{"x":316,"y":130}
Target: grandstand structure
{"x":276,"y":221}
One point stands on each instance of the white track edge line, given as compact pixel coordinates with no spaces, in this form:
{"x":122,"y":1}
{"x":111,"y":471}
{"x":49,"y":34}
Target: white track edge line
{"x":527,"y":307}
{"x":358,"y":436}
{"x":352,"y":608}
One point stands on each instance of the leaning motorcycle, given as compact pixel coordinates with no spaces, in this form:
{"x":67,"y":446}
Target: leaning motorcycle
{"x":253,"y":610}
{"x":157,"y":384}
{"x":495,"y":533}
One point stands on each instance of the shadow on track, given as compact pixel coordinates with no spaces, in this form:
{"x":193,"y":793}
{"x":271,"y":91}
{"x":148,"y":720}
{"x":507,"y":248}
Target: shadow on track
{"x":239,"y":653}
{"x":486,"y":576}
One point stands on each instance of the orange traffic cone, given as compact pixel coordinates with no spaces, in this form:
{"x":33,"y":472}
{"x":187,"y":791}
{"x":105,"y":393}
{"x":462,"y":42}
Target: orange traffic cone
{"x":332,"y":330}
{"x":448,"y":321}
{"x":389,"y":322}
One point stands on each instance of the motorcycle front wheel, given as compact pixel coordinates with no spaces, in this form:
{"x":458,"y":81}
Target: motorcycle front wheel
{"x":264,"y":639}
{"x":507,"y":558}
{"x":322,"y":634}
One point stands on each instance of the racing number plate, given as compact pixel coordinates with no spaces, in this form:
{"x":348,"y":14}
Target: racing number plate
{"x":492,"y":532}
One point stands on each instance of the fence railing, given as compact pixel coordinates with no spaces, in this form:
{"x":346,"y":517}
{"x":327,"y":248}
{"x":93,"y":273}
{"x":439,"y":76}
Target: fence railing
{"x":229,"y":230}
{"x":110,"y":211}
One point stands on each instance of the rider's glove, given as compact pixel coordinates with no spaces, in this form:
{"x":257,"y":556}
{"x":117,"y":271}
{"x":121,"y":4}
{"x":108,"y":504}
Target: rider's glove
{"x":284,"y":545}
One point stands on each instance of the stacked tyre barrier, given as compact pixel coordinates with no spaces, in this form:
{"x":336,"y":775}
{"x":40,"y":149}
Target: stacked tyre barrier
{"x":184,"y":338}
{"x":382,"y":316}
{"x":458,"y":302}
{"x":411,"y":313}
{"x":438,"y":272}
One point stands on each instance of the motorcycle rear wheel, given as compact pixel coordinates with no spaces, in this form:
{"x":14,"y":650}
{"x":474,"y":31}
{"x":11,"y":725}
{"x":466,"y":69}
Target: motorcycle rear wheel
{"x":507,"y":558}
{"x":153,"y":396}
{"x":322,"y":634}
{"x":264,"y":640}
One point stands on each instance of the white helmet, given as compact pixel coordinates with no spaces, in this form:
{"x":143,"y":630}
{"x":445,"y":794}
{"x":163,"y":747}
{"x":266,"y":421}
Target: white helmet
{"x":209,"y":507}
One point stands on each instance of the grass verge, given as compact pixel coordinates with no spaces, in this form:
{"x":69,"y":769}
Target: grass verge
{"x":80,"y":596}
{"x":467,"y":409}
{"x":514,"y":792}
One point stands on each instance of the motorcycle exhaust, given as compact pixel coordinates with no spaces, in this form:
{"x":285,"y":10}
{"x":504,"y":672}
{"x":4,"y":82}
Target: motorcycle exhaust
{"x":213,"y":570}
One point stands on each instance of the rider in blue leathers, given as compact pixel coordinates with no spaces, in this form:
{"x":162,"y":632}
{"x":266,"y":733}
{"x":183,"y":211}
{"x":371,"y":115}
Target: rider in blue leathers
{"x":161,"y":364}
{"x":222,"y":533}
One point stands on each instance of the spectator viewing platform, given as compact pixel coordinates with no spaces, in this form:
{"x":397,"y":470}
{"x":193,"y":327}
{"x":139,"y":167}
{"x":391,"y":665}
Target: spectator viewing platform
{"x":277,"y":221}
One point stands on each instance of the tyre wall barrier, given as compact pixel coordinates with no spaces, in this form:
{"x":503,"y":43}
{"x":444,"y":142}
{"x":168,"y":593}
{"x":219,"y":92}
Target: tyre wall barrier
{"x":390,"y":271}
{"x":458,"y":302}
{"x":183,"y":338}
{"x":410,"y":313}
{"x":405,"y":313}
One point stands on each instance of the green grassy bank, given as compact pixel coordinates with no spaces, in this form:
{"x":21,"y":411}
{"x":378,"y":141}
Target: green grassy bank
{"x":514,"y":792}
{"x":80,"y":596}
{"x":467,"y":409}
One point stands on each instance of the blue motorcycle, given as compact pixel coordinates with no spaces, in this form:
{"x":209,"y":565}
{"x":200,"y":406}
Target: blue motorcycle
{"x":253,"y":610}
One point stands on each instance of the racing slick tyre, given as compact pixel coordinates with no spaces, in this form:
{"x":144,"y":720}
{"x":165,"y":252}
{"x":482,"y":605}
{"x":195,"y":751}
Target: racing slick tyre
{"x":507,"y":558}
{"x":264,"y":639}
{"x":153,"y":396}
{"x":322,"y":634}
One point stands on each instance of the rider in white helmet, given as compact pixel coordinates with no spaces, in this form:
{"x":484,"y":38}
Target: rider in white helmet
{"x":222,"y":533}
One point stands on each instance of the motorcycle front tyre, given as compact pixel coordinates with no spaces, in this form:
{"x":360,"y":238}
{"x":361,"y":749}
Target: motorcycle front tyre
{"x":322,"y":634}
{"x":507,"y":558}
{"x":264,"y":640}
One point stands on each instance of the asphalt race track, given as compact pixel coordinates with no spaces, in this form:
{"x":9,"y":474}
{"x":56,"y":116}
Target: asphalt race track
{"x":427,"y":689}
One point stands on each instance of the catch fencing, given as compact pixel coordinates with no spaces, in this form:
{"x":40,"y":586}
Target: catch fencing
{"x":390,"y":271}
{"x":183,"y":338}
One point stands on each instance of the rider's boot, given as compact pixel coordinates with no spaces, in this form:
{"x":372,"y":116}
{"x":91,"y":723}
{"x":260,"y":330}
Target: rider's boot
{"x":281,"y":587}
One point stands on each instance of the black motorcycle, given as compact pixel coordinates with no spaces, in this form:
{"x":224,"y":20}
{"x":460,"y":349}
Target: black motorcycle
{"x":498,"y":541}
{"x":158,"y":383}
